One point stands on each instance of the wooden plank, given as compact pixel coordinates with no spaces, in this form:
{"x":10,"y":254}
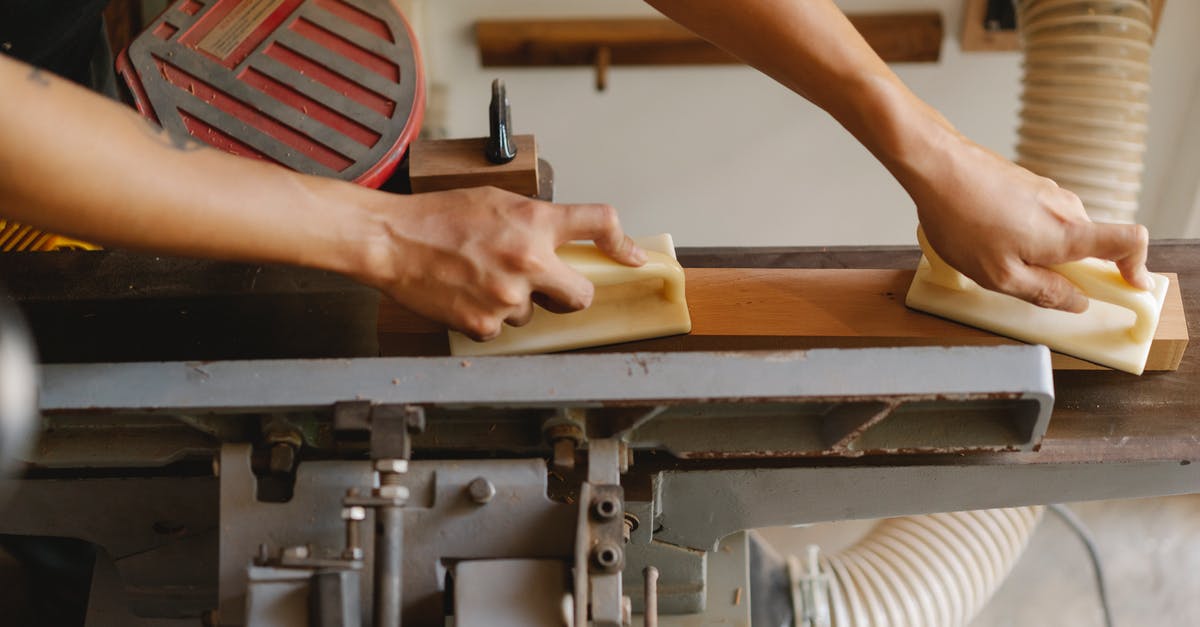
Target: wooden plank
{"x":436,"y":165}
{"x":772,"y":308}
{"x":897,"y":37}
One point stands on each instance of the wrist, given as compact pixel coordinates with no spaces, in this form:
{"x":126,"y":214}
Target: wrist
{"x":910,"y":138}
{"x":356,"y":231}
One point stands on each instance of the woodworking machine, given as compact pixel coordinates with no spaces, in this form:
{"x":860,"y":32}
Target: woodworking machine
{"x":329,"y":486}
{"x":229,"y":447}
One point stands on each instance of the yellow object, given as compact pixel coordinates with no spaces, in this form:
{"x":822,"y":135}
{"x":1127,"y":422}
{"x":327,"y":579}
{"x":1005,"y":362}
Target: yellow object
{"x":630,"y":304}
{"x":1116,"y":330}
{"x":17,"y":237}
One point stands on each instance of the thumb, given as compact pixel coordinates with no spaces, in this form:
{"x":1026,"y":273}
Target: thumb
{"x":1045,"y":288}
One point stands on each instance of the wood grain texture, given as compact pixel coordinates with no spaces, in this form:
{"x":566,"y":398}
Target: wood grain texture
{"x":436,"y":165}
{"x":897,"y":37}
{"x":776,"y":308}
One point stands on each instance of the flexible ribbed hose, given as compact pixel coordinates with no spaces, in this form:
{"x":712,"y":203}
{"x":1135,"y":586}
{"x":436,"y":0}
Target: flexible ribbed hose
{"x":1085,"y":103}
{"x":936,"y":570}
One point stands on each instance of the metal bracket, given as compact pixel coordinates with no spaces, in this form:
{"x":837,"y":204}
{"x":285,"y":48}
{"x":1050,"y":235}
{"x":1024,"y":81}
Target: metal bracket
{"x":599,"y":539}
{"x":810,"y":591}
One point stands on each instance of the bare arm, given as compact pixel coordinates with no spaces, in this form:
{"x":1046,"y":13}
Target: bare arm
{"x":75,"y":163}
{"x":996,"y":222}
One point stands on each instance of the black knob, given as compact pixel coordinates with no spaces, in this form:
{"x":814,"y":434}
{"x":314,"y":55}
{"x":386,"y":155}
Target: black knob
{"x":500,"y":147}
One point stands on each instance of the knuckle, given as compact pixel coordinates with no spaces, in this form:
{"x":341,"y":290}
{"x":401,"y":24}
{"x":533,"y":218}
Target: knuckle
{"x":609,"y":218}
{"x":1046,"y":295}
{"x":1141,"y":236}
{"x":1071,"y":198}
{"x":528,"y":210}
{"x":523,"y":260}
{"x":1001,"y":278}
{"x":483,"y":328}
{"x":507,"y":294}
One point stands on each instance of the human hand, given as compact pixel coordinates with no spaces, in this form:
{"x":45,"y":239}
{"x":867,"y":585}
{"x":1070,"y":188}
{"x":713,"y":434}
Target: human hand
{"x":1003,"y":226}
{"x":477,"y":258}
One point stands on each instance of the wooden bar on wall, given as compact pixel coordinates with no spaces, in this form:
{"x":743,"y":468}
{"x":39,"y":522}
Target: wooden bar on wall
{"x":897,"y":37}
{"x":777,"y":309}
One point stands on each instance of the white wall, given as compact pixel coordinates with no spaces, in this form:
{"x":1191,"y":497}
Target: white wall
{"x":1171,"y":199}
{"x":723,"y":156}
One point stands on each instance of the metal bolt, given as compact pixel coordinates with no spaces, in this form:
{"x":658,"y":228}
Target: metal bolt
{"x":481,"y":490}
{"x":564,"y":454}
{"x":264,"y":555}
{"x":606,"y":508}
{"x":353,"y":516}
{"x":607,"y":556}
{"x":628,"y":525}
{"x":296,"y":552}
{"x":565,"y":437}
{"x":392,"y":492}
{"x":283,"y":458}
{"x":394,"y":466}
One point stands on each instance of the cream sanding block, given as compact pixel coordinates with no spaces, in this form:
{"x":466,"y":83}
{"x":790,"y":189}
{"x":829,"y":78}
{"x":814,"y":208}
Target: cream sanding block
{"x":629,"y":304}
{"x":1116,"y":331}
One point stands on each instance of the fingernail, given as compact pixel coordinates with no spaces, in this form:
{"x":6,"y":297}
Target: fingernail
{"x":638,"y":254}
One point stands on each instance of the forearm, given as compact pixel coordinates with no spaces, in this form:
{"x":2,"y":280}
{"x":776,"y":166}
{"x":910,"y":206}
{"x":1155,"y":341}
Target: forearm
{"x":73,"y":162}
{"x":810,"y":47}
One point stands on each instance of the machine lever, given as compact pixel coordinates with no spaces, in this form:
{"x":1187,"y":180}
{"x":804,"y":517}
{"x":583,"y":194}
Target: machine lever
{"x":500,"y":147}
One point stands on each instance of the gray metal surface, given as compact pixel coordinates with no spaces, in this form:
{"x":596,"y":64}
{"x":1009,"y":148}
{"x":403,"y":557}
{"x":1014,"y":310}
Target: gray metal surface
{"x":700,"y":507}
{"x":728,"y":597}
{"x":509,"y":593}
{"x":148,"y":525}
{"x":492,"y":381}
{"x":846,"y":402}
{"x":442,"y":523}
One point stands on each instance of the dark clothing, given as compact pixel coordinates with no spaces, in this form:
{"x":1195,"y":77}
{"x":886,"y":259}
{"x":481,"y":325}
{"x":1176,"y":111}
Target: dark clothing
{"x":56,"y":35}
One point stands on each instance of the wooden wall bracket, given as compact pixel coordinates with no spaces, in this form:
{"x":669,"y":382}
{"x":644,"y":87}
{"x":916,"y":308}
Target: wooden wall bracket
{"x":600,"y":43}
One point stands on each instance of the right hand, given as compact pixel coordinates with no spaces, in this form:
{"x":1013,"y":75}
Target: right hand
{"x":1004,"y":227}
{"x":475,"y":259}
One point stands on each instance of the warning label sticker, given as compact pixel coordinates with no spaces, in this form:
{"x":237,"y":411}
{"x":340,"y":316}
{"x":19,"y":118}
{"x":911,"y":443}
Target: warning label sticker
{"x":236,"y":26}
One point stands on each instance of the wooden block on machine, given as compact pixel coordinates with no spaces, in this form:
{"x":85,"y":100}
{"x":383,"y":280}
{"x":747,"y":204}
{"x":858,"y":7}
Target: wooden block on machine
{"x":441,"y":164}
{"x":778,"y":309}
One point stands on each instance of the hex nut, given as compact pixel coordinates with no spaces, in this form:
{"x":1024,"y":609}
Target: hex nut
{"x":392,"y":492}
{"x":395,"y":466}
{"x":481,"y":490}
{"x":354,"y":512}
